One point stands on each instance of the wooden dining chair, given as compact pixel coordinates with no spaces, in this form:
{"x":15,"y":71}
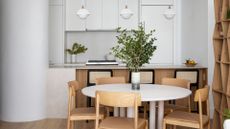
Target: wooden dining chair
{"x":110,"y":80}
{"x":192,"y":120}
{"x":119,"y":99}
{"x":181,"y":104}
{"x":76,"y":114}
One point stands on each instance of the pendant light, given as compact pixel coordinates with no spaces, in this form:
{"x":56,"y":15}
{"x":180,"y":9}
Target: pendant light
{"x":126,"y":13}
{"x":169,"y":13}
{"x":83,"y":13}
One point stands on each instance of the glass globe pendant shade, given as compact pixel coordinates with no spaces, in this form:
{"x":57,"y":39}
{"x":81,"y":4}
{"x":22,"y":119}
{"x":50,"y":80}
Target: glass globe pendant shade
{"x":169,"y":13}
{"x":83,"y":13}
{"x":126,"y":13}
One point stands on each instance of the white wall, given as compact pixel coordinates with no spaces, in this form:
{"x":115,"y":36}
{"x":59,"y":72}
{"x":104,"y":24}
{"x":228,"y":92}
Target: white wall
{"x":23,"y":57}
{"x":57,"y":91}
{"x":194,"y":30}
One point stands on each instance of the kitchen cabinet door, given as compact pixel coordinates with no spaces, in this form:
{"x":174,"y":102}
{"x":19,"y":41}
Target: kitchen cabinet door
{"x":55,"y":2}
{"x":153,"y":18}
{"x":131,"y":23}
{"x":109,"y":14}
{"x":73,"y":22}
{"x":56,"y":34}
{"x":157,"y":2}
{"x":93,"y":22}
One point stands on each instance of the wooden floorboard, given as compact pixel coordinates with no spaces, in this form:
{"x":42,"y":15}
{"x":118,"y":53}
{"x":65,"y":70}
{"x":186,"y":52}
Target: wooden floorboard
{"x":49,"y":124}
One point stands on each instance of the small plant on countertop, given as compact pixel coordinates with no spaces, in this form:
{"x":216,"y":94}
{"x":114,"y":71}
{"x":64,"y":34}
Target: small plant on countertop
{"x":135,"y":48}
{"x":77,"y":49}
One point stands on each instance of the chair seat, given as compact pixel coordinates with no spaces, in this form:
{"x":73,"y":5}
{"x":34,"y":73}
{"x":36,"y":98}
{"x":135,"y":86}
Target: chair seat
{"x":172,"y":107}
{"x":86,"y":113}
{"x":185,"y":118}
{"x":121,"y":123}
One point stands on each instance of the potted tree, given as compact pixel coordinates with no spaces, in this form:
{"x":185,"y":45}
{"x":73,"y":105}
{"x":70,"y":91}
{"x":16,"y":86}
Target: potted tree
{"x":134,"y":48}
{"x":75,"y":50}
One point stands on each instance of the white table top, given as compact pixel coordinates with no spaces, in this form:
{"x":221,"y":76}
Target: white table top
{"x":149,"y":92}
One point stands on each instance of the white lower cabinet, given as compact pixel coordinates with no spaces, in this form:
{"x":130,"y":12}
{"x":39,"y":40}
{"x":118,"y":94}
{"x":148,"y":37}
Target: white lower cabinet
{"x":57,"y":91}
{"x":153,"y":18}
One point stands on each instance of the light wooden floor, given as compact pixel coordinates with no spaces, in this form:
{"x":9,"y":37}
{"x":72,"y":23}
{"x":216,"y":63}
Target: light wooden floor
{"x":49,"y":124}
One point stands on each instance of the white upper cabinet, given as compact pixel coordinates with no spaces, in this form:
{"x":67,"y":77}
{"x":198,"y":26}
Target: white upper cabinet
{"x":73,"y":22}
{"x":109,"y":14}
{"x":157,"y":2}
{"x":55,"y":2}
{"x":93,"y":21}
{"x":131,"y":23}
{"x":105,"y":15}
{"x":153,"y":18}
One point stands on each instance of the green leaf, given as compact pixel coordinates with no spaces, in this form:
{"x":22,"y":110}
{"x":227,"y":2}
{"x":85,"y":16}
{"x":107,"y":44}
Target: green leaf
{"x":135,"y":48}
{"x":77,"y":49}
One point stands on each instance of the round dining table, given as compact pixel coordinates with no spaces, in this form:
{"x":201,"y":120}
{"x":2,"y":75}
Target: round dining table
{"x":153,"y":93}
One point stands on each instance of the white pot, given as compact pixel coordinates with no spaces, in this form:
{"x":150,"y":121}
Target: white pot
{"x":135,"y":77}
{"x":135,"y":80}
{"x":227,"y":124}
{"x":73,"y":59}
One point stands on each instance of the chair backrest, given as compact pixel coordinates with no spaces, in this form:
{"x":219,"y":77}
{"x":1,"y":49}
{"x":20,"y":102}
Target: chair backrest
{"x":176,"y":82}
{"x":73,"y":87}
{"x":118,"y":99}
{"x":110,"y":80}
{"x":202,"y":95}
{"x":179,"y":83}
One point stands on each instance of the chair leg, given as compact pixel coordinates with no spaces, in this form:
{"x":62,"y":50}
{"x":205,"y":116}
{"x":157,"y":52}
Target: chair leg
{"x":145,"y":110}
{"x":209,"y":125}
{"x":71,"y":124}
{"x":174,"y":126}
{"x":68,"y":123}
{"x":147,"y":125}
{"x":164,"y":125}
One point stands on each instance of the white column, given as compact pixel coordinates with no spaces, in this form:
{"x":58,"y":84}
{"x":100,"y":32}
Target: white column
{"x":23,"y":57}
{"x":152,"y":115}
{"x":160,"y":114}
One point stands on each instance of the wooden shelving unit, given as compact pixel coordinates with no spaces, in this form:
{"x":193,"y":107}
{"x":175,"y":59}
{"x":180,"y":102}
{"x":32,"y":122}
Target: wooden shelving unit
{"x":221,"y":45}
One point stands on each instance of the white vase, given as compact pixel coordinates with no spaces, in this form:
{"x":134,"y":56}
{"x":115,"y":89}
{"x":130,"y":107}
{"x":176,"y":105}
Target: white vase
{"x":227,"y":124}
{"x":73,"y":59}
{"x":135,"y":80}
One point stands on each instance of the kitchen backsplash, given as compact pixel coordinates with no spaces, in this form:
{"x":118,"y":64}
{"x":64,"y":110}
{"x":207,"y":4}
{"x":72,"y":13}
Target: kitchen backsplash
{"x":98,"y":44}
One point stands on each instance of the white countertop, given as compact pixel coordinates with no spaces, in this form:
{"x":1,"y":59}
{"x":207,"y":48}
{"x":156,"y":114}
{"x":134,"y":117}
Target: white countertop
{"x":147,"y":66}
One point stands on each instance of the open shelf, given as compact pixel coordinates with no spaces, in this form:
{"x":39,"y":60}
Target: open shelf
{"x":216,"y":117}
{"x":228,"y":101}
{"x":218,"y":9}
{"x":223,"y":104}
{"x":224,"y":76}
{"x":228,"y":86}
{"x":217,"y":45}
{"x":218,"y":31}
{"x":217,"y":100}
{"x":225,"y":51}
{"x":217,"y":81}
